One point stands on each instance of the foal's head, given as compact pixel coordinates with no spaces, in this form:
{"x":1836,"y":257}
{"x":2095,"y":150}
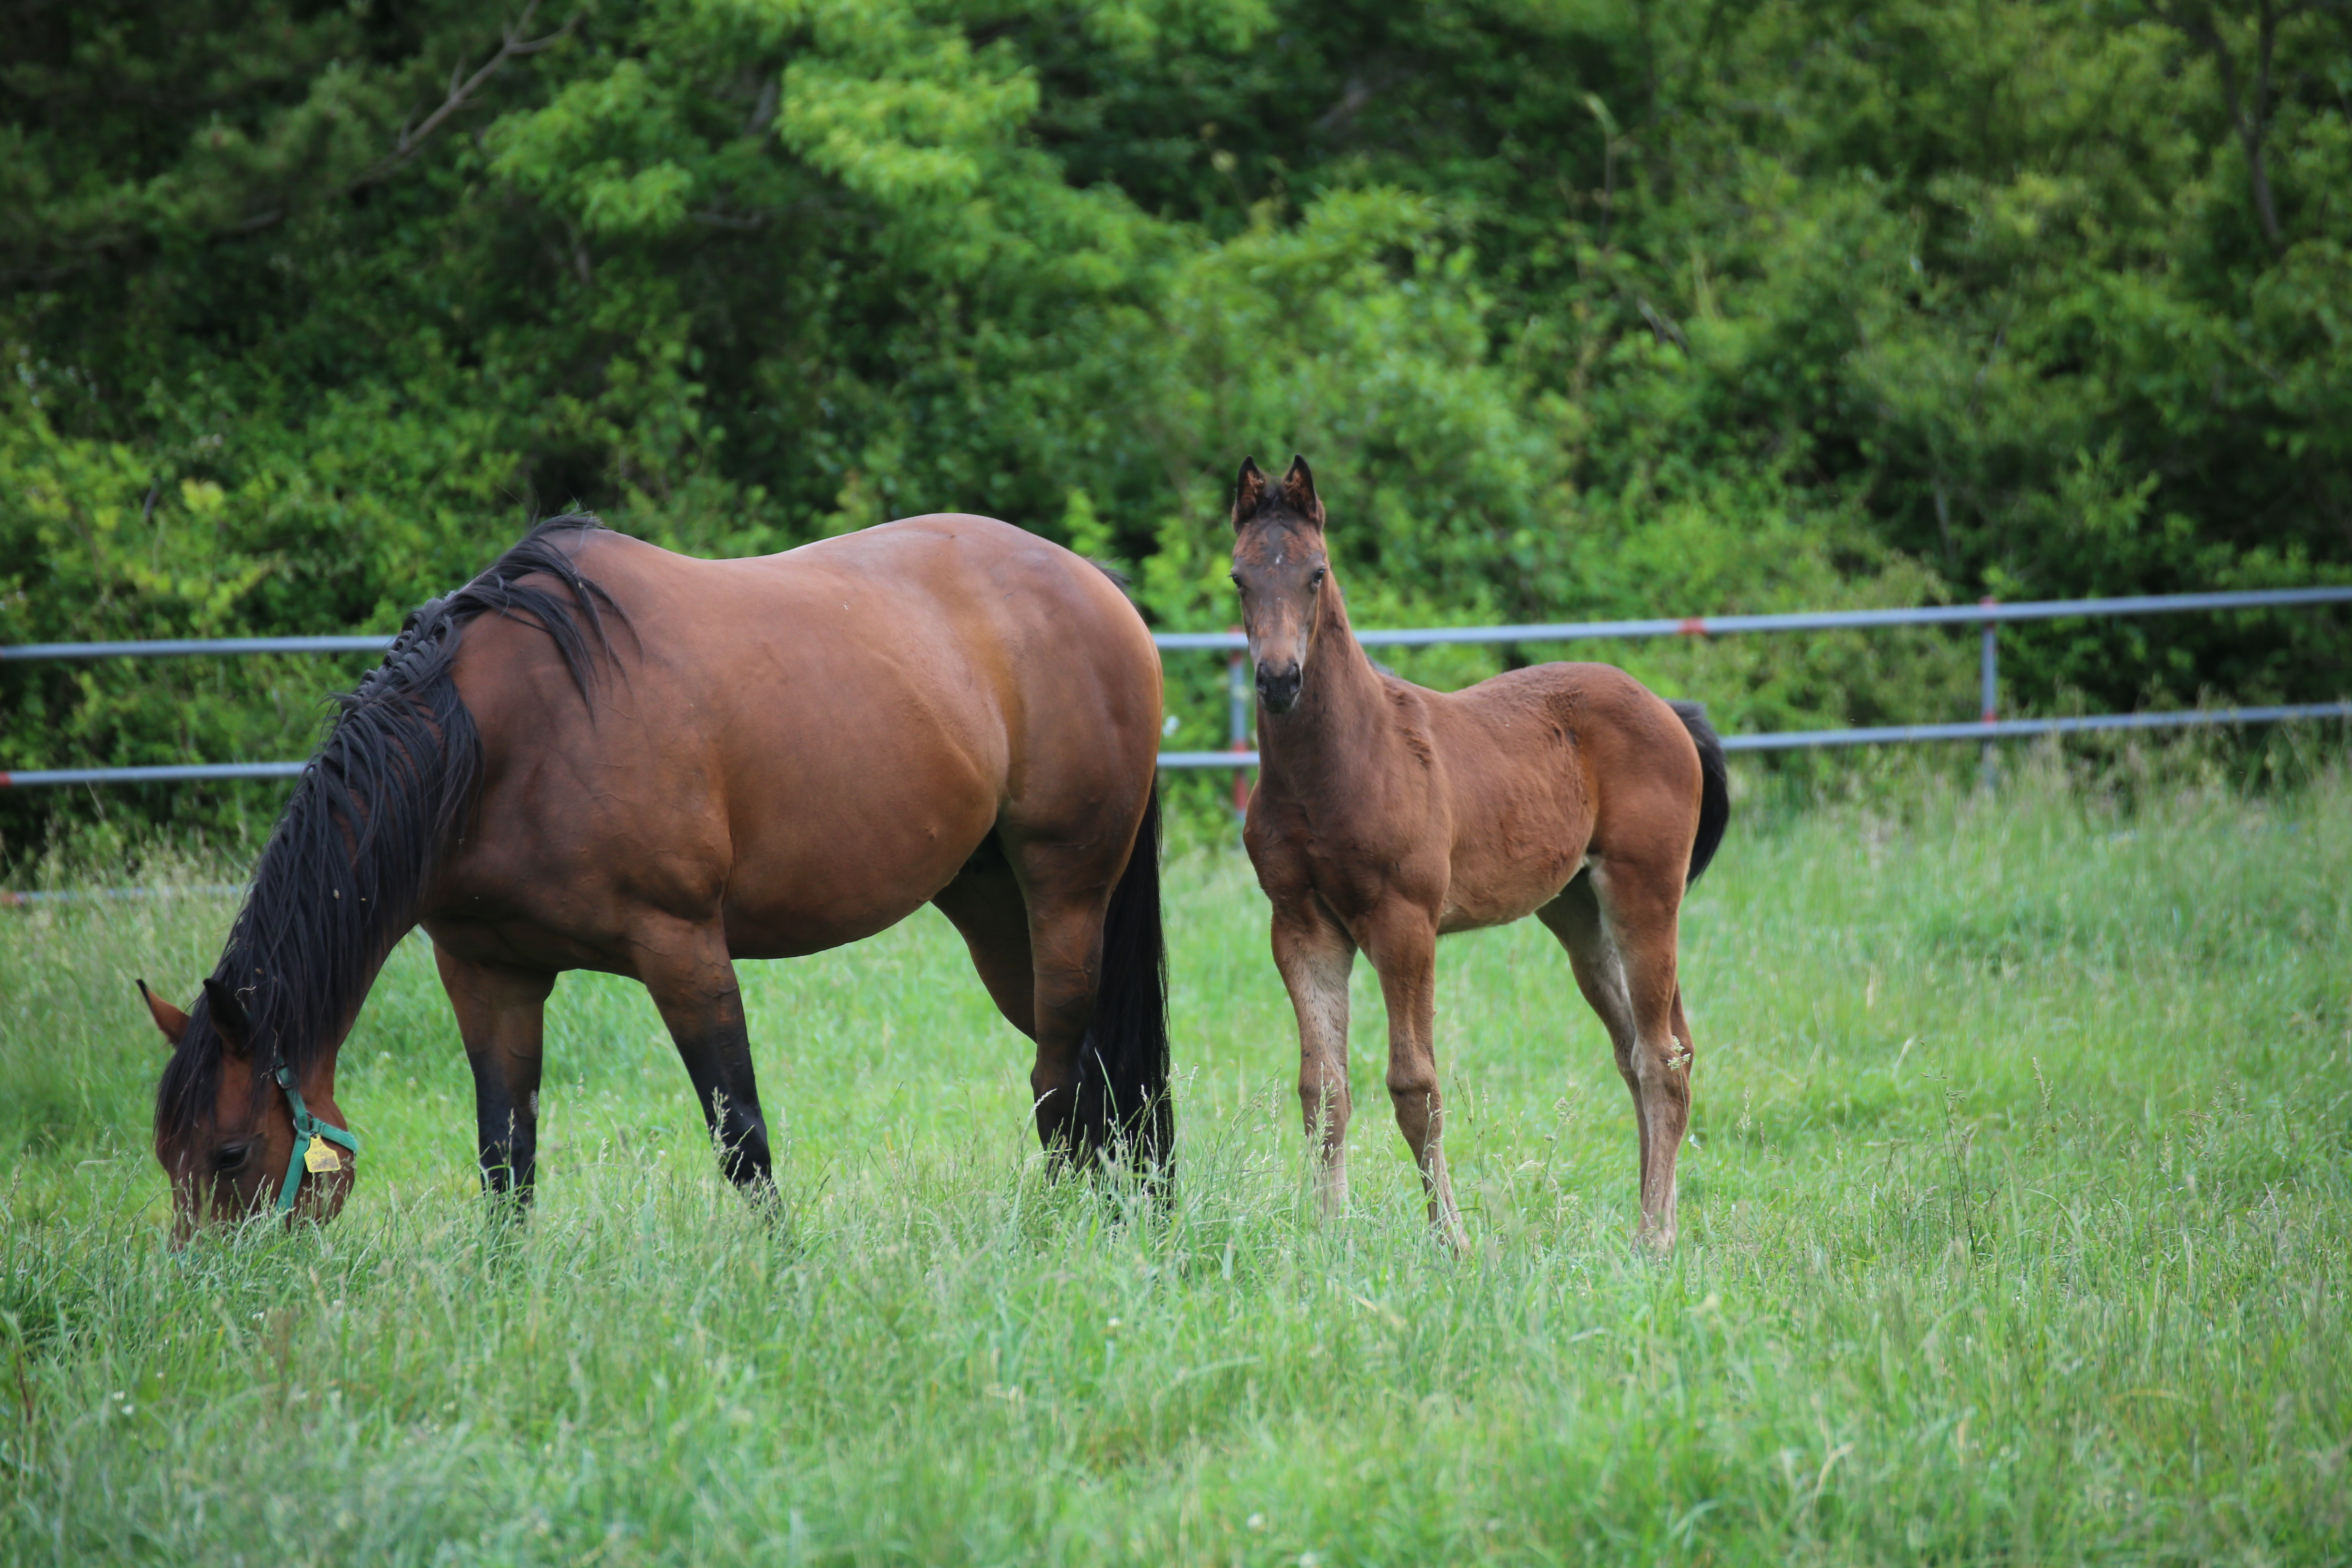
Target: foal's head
{"x":1283,"y":571}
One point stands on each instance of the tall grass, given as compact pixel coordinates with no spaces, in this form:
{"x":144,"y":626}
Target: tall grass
{"x":2014,"y":1226}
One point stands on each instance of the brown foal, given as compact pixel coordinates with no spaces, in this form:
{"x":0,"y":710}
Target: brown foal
{"x":1387,"y":816}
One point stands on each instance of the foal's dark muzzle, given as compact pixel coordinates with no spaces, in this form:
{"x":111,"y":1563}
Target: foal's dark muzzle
{"x":1278,"y":689}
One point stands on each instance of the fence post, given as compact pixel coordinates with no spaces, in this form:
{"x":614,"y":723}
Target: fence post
{"x":1988,"y":671}
{"x":1237,"y":691}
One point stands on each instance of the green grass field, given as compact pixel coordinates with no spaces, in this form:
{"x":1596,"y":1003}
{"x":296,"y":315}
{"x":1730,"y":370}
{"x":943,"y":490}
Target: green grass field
{"x":2017,"y":1225}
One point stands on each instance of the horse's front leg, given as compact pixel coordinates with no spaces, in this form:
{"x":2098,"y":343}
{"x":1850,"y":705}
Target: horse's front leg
{"x":1402,"y":941}
{"x":502,"y":1014}
{"x":691,"y":977}
{"x":1314,"y":956}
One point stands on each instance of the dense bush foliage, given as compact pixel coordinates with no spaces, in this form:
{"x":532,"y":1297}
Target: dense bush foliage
{"x":1579,"y":307}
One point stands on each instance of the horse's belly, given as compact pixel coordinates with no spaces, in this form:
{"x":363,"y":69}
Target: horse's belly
{"x":792,"y":930}
{"x":806,"y":905}
{"x":836,"y":865}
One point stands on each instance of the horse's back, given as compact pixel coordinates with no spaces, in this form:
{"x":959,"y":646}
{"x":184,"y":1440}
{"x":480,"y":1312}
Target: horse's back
{"x":814,"y":742}
{"x":1044,"y":626}
{"x":1031,"y":653}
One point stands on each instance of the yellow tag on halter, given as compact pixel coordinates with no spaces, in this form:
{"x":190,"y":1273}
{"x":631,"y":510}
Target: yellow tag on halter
{"x":320,"y":1157}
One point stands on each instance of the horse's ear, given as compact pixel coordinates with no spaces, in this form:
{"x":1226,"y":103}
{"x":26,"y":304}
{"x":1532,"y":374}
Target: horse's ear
{"x":168,"y":1018}
{"x":229,"y":1021}
{"x":1249,"y":492}
{"x":1298,"y":491}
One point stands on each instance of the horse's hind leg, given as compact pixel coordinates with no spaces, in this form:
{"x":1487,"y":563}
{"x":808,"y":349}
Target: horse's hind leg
{"x":1066,"y":888}
{"x":1065,"y":956}
{"x":691,"y":977}
{"x":501,"y":1016}
{"x":985,"y":904}
{"x":1619,"y":922}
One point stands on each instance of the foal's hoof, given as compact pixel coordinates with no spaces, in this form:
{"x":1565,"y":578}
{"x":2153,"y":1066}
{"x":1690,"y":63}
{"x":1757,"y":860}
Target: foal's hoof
{"x":1331,"y":1200}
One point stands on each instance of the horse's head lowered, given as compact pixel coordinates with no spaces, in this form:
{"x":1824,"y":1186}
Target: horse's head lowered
{"x":244,"y":1133}
{"x":1281,"y":568}
{"x":246,"y":1117}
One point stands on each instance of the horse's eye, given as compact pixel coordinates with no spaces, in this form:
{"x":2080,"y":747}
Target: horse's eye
{"x":229,"y":1156}
{"x":1317,"y":581}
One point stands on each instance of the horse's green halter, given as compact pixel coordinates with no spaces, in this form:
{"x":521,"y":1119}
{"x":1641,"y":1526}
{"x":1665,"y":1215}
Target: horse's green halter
{"x":307,"y":1127}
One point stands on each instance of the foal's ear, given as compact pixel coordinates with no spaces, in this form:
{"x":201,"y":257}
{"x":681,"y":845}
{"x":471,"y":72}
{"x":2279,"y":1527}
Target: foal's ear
{"x":229,"y":1021}
{"x":1298,"y":491}
{"x":1249,"y":492}
{"x":168,"y":1018}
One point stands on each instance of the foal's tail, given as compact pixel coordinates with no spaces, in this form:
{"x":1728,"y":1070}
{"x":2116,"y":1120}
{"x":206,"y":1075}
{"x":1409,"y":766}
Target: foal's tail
{"x":1714,"y":785}
{"x":1123,"y":1062}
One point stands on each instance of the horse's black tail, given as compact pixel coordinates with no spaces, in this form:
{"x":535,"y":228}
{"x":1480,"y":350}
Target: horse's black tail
{"x":1714,"y":785}
{"x":1123,"y":1100}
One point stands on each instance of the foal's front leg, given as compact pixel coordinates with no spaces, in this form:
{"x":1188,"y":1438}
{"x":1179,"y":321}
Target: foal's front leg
{"x":1314,"y":956}
{"x":502,"y":1014}
{"x":1402,"y":943}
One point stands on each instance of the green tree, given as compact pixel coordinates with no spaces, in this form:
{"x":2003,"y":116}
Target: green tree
{"x":1580,"y":307}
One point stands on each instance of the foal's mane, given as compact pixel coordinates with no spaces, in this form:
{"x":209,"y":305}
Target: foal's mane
{"x":391,"y":785}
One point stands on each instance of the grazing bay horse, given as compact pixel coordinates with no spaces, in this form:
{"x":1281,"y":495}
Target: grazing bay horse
{"x":601,"y":755}
{"x":1387,"y":816}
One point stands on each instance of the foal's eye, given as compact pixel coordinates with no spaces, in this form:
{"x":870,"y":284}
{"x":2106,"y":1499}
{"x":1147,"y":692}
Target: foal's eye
{"x":229,"y":1156}
{"x":1316,"y":580}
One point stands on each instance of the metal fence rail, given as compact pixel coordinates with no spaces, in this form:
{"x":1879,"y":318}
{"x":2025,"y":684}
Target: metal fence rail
{"x":1987,"y":614}
{"x":13,"y":900}
{"x":1239,"y":757}
{"x":1421,"y":637}
{"x":172,"y":648}
{"x":167,"y":773}
{"x":1986,"y":611}
{"x":2000,"y":730}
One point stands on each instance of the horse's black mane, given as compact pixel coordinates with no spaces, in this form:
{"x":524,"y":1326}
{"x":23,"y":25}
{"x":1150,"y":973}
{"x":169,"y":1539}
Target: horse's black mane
{"x":391,"y":784}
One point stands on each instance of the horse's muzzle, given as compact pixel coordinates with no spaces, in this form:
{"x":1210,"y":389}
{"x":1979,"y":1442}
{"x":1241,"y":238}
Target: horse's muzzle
{"x":1278,"y":689}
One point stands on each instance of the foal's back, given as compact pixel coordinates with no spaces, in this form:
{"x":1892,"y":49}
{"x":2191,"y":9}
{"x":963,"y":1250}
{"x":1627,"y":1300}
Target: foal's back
{"x":1526,"y":775}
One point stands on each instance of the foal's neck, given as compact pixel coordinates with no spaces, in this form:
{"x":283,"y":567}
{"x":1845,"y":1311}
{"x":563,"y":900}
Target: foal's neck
{"x":1340,"y":724}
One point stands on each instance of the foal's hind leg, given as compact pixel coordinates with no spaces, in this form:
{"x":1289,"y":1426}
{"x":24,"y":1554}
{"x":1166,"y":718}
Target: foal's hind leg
{"x":691,"y":977}
{"x":1619,"y":922}
{"x":501,"y":1015}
